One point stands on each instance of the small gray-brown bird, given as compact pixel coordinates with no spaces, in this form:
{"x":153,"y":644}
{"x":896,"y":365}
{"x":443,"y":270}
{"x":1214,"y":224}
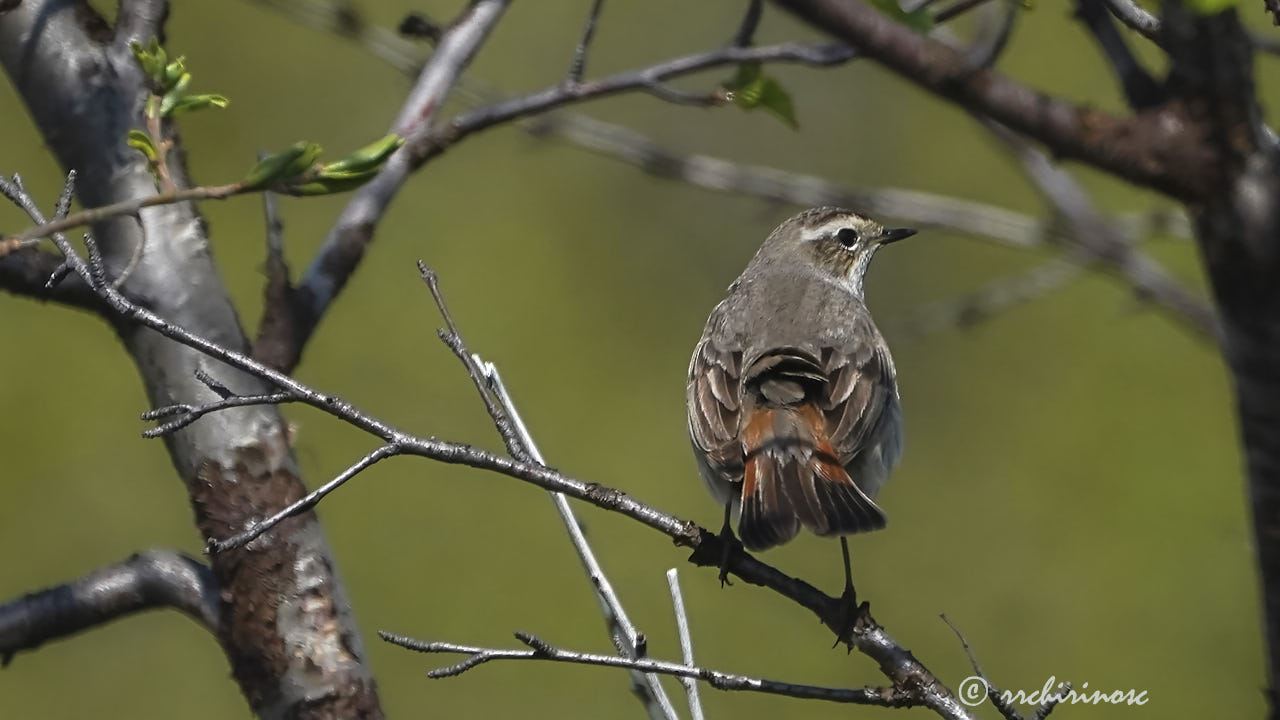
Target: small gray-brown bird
{"x":792,"y":397}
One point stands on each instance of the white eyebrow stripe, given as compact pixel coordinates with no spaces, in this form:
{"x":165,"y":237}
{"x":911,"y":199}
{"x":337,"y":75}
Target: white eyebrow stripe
{"x":827,"y":228}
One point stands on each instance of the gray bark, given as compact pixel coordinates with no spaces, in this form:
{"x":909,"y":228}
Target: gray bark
{"x":285,"y":622}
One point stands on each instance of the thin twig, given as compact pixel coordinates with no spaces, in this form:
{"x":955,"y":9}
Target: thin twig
{"x":540,"y":650}
{"x":974,"y":308}
{"x":90,"y":216}
{"x":343,"y":20}
{"x":918,"y":208}
{"x":1101,"y":242}
{"x":579,"y":63}
{"x":645,"y":78}
{"x":345,"y":243}
{"x":686,"y":643}
{"x":994,"y":32}
{"x":190,"y":413}
{"x":1137,"y":18}
{"x":1146,"y":24}
{"x":995,"y":694}
{"x":868,"y":637}
{"x":307,"y":502}
{"x":1140,"y":89}
{"x":750,"y":21}
{"x":626,"y":637}
{"x":955,"y":10}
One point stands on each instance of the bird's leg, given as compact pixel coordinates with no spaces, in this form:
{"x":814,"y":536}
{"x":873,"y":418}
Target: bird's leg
{"x":727,"y":541}
{"x":850,"y":611}
{"x":849,"y":592}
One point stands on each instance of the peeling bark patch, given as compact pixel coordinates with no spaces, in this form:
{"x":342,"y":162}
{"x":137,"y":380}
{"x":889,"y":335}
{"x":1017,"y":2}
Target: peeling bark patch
{"x":253,"y":579}
{"x":358,"y":706}
{"x":282,"y":615}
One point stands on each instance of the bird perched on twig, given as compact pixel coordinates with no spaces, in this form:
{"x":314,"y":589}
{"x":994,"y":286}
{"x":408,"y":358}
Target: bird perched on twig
{"x":792,"y":396}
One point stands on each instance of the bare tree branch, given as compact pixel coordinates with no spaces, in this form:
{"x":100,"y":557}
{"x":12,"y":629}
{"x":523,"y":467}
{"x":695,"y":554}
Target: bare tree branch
{"x":996,"y":297}
{"x":148,"y":580}
{"x":140,"y":20}
{"x":997,"y":695}
{"x":647,"y":79}
{"x":131,"y":207}
{"x":955,"y":10}
{"x":579,"y":64}
{"x":994,"y":31}
{"x":881,"y":696}
{"x":354,"y":230}
{"x":746,"y":33}
{"x":1140,"y":89}
{"x":520,"y":445}
{"x":915,"y":207}
{"x":866,"y":636}
{"x":279,"y":629}
{"x":1158,"y":148}
{"x":686,"y":644}
{"x":345,"y":244}
{"x":1148,"y":25}
{"x":921,"y":209}
{"x":1137,"y":18}
{"x":484,"y":375}
{"x":1099,"y":242}
{"x":345,"y":21}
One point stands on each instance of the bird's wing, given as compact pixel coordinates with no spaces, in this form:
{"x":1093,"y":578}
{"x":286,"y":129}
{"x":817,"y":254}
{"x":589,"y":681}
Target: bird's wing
{"x":715,"y":406}
{"x":861,"y":385}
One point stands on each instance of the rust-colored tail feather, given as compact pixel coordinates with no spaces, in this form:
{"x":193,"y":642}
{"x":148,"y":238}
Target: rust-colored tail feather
{"x":793,"y":478}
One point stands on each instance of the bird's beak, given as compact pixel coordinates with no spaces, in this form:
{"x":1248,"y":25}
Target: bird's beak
{"x":892,"y":235}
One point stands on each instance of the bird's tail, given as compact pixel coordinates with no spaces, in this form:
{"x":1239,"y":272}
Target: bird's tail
{"x":793,"y":478}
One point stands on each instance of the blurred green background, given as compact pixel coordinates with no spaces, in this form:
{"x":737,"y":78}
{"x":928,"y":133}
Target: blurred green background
{"x":1071,"y":495}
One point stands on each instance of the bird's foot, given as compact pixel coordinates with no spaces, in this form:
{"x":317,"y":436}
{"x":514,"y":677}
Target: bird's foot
{"x":728,"y":546}
{"x":851,"y":618}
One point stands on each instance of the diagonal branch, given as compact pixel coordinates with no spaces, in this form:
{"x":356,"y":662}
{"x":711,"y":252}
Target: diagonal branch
{"x":148,"y":580}
{"x":646,"y":78}
{"x":1159,"y":148}
{"x":1098,"y":241}
{"x":279,"y":629}
{"x":344,"y":247}
{"x":626,"y":637}
{"x":976,"y":307}
{"x":686,"y":644}
{"x":1140,"y":89}
{"x":345,"y":244}
{"x":868,"y":637}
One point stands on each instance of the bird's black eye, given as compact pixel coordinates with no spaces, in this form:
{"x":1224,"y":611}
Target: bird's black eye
{"x":847,"y":237}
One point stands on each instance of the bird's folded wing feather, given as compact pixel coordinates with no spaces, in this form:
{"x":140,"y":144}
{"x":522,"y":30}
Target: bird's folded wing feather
{"x":715,"y":406}
{"x":861,"y":385}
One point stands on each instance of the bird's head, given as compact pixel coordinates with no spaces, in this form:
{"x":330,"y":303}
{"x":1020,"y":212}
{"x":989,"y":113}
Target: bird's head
{"x":835,"y":241}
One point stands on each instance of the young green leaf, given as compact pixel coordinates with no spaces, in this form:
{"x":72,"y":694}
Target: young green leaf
{"x":776,"y":99}
{"x":327,"y":184}
{"x":198,"y":102}
{"x":173,"y":72}
{"x":141,"y":142}
{"x":151,"y":59}
{"x":280,"y":165}
{"x":750,"y":88}
{"x":370,"y":156}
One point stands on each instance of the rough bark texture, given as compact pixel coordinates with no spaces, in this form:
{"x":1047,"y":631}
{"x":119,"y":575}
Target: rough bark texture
{"x":284,"y":624}
{"x":1238,"y":228}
